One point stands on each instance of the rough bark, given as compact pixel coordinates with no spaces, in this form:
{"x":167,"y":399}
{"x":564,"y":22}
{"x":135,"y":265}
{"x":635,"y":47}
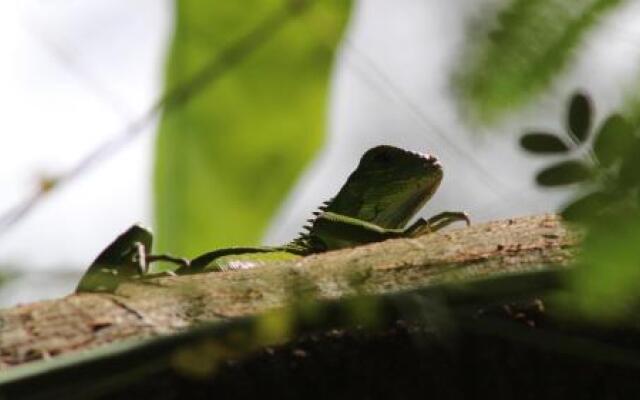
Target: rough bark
{"x":165,"y":305}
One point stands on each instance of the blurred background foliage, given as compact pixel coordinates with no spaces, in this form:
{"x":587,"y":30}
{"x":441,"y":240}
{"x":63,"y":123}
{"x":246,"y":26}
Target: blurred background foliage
{"x":526,"y":45}
{"x":225,"y":161}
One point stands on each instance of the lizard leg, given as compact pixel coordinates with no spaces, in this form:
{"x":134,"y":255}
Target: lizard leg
{"x":140,"y":258}
{"x":203,"y":261}
{"x":179,"y":261}
{"x":337,"y":231}
{"x":447,"y":218}
{"x":435,"y":223}
{"x":199,"y":263}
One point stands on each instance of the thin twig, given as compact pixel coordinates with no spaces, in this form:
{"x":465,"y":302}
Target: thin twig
{"x":222,"y":62}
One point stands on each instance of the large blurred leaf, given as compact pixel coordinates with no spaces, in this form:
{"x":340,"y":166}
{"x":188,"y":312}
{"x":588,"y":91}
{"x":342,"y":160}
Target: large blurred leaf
{"x":531,"y":44}
{"x":587,"y":207}
{"x":226,"y":159}
{"x":607,"y":286}
{"x":630,"y":168}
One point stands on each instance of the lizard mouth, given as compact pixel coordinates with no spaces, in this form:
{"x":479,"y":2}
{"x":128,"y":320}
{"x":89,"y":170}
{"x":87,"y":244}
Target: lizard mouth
{"x":430,"y":159}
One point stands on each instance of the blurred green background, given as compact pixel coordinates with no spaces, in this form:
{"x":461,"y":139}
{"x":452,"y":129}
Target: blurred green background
{"x":226,"y":160}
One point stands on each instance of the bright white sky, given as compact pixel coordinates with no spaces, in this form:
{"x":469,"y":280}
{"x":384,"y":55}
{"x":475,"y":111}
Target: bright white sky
{"x":73,"y":73}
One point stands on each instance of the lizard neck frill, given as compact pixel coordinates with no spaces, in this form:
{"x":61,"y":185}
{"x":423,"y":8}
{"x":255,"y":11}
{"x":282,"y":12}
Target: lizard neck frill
{"x":305,"y":242}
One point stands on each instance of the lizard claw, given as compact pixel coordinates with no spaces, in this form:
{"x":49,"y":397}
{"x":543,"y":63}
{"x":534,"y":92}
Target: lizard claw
{"x":447,"y":218}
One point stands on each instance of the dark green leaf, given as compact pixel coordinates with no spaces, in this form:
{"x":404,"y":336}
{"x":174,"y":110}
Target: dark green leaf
{"x":564,"y":173}
{"x":541,"y":142}
{"x":614,"y":140}
{"x":580,"y":115}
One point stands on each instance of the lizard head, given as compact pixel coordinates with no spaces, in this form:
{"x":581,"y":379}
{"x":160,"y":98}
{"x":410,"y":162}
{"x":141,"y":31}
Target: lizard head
{"x":389,"y":186}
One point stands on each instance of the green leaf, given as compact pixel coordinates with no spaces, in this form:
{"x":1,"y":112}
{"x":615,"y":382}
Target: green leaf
{"x":542,"y":143}
{"x":607,"y":285}
{"x":586,"y":207}
{"x":630,"y":168}
{"x":614,"y":140}
{"x":226,"y":158}
{"x":529,"y":46}
{"x":564,"y":173}
{"x":579,"y":118}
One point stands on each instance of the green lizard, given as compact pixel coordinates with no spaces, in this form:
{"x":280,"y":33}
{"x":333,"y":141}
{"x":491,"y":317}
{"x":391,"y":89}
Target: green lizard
{"x":389,"y":186}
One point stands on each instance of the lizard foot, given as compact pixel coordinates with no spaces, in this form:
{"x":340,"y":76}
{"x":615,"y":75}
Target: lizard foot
{"x":437,"y":222}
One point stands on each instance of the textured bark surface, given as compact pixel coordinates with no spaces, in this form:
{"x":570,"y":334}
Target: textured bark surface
{"x":164,"y":305}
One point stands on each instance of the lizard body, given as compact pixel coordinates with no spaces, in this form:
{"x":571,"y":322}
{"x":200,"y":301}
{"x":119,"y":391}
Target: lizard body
{"x":388,"y":187}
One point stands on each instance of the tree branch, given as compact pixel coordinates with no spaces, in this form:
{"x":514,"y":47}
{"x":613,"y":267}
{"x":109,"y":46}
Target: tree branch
{"x":165,"y":305}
